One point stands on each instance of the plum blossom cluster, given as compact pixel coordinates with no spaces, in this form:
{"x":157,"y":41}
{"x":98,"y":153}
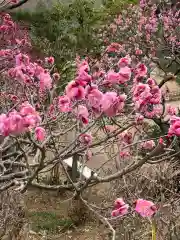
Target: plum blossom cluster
{"x":143,"y":207}
{"x":171,"y":110}
{"x":120,"y":77}
{"x":136,"y":29}
{"x":148,"y":145}
{"x":147,"y":96}
{"x":120,"y":208}
{"x":7,"y":24}
{"x":89,"y":91}
{"x":84,"y":89}
{"x":18,"y":122}
{"x":89,"y":96}
{"x":174,"y":129}
{"x":30,"y":73}
{"x":20,"y":68}
{"x":12,"y":35}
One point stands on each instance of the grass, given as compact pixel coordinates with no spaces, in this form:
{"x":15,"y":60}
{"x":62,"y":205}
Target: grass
{"x":48,"y":221}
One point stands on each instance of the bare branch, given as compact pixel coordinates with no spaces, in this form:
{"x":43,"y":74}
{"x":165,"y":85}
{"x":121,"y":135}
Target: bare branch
{"x":51,"y":187}
{"x":100,"y":217}
{"x":20,"y":3}
{"x":129,"y":168}
{"x":169,"y":77}
{"x":13,"y":176}
{"x":112,"y":135}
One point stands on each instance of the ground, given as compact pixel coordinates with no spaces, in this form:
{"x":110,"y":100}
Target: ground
{"x":49,"y":217}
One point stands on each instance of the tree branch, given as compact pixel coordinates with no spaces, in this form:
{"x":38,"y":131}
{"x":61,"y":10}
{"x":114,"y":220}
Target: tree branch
{"x":17,"y":4}
{"x":13,"y":176}
{"x":169,"y":77}
{"x":101,"y":218}
{"x":128,"y":169}
{"x":93,"y":145}
{"x":51,"y":187}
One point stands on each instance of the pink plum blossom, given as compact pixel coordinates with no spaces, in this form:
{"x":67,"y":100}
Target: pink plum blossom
{"x":14,"y":1}
{"x":21,"y":59}
{"x":49,"y":60}
{"x":119,"y":202}
{"x":110,"y":128}
{"x":14,"y":98}
{"x":64,"y":104}
{"x":126,"y":137}
{"x":121,"y":208}
{"x":145,"y":208}
{"x":156,"y":95}
{"x":112,"y":77}
{"x":31,"y":120}
{"x":120,"y":211}
{"x":40,"y":133}
{"x":26,"y":109}
{"x":138,"y":52}
{"x":124,"y":74}
{"x":151,"y":82}
{"x":148,"y":145}
{"x":45,"y":81}
{"x":141,"y":70}
{"x":123,"y":62}
{"x":86,"y":138}
{"x":75,"y":91}
{"x":141,"y":95}
{"x":171,"y":110}
{"x":114,"y":47}
{"x":83,"y":78}
{"x":124,"y":154}
{"x":82,"y":65}
{"x":83,"y":114}
{"x":94,"y":96}
{"x":14,"y":123}
{"x":18,"y":122}
{"x":174,"y":129}
{"x":139,"y":119}
{"x":112,"y":104}
{"x":161,"y":141}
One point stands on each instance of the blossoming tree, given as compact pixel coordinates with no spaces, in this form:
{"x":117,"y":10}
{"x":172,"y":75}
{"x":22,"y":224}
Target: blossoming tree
{"x":34,"y":118}
{"x":150,"y":30}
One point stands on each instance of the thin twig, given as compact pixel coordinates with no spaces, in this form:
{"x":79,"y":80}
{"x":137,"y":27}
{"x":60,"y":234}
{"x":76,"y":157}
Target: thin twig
{"x":100,"y":217}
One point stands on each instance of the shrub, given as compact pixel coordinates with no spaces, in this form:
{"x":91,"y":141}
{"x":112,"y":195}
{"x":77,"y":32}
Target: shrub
{"x":63,"y":30}
{"x":48,"y":221}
